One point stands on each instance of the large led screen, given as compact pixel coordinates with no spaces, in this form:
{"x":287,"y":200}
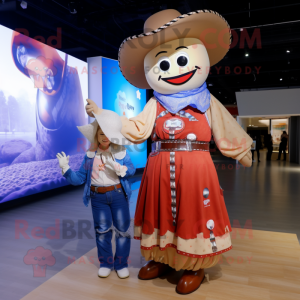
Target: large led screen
{"x":42,"y":98}
{"x":126,"y":100}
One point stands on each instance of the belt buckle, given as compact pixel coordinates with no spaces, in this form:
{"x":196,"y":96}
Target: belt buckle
{"x":189,"y":145}
{"x":96,"y":189}
{"x":116,"y":189}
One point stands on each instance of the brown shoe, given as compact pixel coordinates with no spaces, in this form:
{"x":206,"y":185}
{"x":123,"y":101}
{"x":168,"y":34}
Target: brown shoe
{"x":153,"y":269}
{"x":190,"y":281}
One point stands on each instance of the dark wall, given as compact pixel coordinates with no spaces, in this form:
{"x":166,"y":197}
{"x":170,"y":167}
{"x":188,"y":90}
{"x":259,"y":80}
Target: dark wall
{"x":294,"y":139}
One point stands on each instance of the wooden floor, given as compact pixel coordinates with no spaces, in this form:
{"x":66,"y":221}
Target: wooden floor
{"x":264,"y":265}
{"x":263,"y":197}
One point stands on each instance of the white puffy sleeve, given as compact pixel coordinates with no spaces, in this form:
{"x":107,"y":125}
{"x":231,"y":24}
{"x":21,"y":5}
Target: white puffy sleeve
{"x":229,"y":136}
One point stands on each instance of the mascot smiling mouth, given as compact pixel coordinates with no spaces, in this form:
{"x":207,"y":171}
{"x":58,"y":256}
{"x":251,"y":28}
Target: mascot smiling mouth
{"x":180,"y":79}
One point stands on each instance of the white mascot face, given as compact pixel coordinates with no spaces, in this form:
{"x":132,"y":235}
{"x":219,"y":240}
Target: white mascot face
{"x":178,"y":65}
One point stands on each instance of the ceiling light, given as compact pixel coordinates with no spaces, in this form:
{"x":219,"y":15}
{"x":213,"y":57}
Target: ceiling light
{"x":280,"y":79}
{"x":72,"y":7}
{"x":210,"y":84}
{"x":219,"y":92}
{"x":241,"y":29}
{"x":23,"y":4}
{"x":246,"y":54}
{"x":287,"y":51}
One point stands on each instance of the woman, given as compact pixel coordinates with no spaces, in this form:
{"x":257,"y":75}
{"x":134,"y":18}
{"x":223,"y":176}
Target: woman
{"x":105,"y":171}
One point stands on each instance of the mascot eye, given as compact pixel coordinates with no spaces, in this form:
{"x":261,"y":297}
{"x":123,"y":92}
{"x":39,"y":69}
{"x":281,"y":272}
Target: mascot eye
{"x":182,"y":59}
{"x":164,"y":64}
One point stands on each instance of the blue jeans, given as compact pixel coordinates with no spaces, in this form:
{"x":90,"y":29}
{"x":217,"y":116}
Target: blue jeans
{"x":111,"y":212}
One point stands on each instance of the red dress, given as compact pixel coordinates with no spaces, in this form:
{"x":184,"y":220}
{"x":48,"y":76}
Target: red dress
{"x":199,"y":197}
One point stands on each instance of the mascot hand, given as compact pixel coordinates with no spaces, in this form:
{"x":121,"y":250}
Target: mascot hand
{"x":246,"y":161}
{"x":63,"y":161}
{"x":91,"y":108}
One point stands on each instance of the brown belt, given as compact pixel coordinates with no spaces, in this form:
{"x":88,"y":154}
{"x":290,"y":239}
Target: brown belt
{"x":104,"y":189}
{"x":179,"y":145}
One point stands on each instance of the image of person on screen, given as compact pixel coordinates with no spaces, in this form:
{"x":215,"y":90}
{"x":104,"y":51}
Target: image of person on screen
{"x":105,"y":170}
{"x":181,"y":219}
{"x":59,"y":102}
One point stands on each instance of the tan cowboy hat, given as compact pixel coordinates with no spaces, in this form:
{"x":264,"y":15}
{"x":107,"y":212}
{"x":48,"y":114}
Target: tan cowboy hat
{"x":168,"y":25}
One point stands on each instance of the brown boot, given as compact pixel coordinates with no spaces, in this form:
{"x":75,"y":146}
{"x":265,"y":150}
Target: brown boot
{"x":153,"y":269}
{"x":190,"y":281}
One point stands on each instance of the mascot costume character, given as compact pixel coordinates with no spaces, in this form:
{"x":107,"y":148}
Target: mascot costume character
{"x":181,"y":218}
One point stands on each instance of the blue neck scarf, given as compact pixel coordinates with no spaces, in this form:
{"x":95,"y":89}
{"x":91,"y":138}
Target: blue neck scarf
{"x":198,"y":98}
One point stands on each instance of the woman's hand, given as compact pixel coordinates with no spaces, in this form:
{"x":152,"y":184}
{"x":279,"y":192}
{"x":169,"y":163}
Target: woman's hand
{"x":63,"y":161}
{"x":92,"y":107}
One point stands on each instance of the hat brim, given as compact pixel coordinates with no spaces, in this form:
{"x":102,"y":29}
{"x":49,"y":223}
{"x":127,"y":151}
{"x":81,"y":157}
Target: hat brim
{"x":104,"y":120}
{"x":206,"y":25}
{"x":89,"y":130}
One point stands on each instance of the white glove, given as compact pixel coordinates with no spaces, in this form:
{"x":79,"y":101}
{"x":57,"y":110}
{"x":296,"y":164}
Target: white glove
{"x":63,"y":161}
{"x":114,"y":166}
